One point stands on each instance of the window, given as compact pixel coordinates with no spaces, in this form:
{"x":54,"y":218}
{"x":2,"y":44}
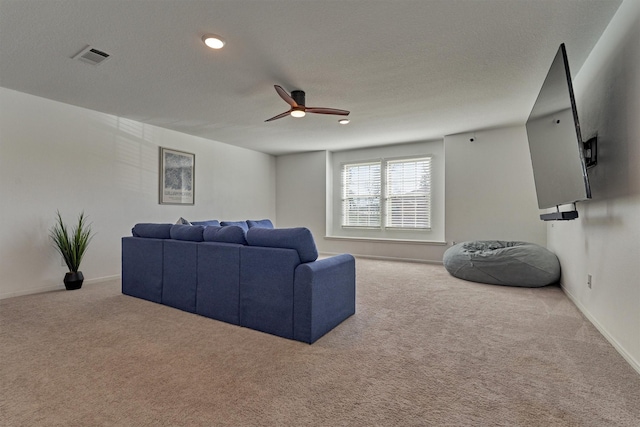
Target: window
{"x":408,"y":195}
{"x":406,"y":185}
{"x":361,"y":195}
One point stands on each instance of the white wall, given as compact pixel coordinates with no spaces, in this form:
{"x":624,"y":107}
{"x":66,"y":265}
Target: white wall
{"x":56,"y":156}
{"x":432,"y":149}
{"x":300,"y":194}
{"x":489,"y":194}
{"x":604,"y":240}
{"x":303,"y":199}
{"x":489,"y":187}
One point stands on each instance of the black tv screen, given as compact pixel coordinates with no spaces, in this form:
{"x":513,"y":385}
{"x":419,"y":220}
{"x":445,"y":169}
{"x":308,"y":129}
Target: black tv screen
{"x":555,"y":142}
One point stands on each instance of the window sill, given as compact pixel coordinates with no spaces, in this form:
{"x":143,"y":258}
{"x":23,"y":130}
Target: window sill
{"x":378,"y":240}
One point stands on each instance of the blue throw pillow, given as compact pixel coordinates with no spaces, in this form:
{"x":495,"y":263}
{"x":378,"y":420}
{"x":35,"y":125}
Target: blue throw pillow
{"x":226,"y":234}
{"x":192,"y":233}
{"x":152,"y":231}
{"x":261,"y":223}
{"x":207,"y":223}
{"x":299,"y":238}
{"x":241,"y":224}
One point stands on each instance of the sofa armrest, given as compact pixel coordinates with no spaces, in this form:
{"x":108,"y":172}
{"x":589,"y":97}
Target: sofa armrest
{"x":324,"y":295}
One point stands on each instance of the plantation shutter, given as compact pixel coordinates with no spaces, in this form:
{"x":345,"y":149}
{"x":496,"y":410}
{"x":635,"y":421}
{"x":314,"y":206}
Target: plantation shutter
{"x":408,"y":193}
{"x":361,"y":192}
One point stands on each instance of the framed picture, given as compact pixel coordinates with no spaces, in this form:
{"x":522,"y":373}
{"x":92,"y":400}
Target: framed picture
{"x":177,"y":173}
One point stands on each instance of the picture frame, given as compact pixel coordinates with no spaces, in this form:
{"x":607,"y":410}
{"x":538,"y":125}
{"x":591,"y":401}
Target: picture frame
{"x":177,"y":177}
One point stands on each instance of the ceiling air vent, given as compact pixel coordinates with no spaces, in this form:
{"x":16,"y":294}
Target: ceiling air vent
{"x":92,"y":56}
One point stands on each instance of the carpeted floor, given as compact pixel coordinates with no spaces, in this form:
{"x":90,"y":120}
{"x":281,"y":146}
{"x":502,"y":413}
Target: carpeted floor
{"x":423,"y":349}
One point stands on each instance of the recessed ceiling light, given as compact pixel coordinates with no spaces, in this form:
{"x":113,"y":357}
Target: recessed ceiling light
{"x":344,"y":121}
{"x":213,"y":41}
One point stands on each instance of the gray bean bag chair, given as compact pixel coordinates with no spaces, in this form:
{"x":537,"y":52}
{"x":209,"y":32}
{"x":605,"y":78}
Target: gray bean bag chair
{"x":503,"y":263}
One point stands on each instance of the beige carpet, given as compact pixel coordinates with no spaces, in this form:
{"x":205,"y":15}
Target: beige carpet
{"x":424,"y":349}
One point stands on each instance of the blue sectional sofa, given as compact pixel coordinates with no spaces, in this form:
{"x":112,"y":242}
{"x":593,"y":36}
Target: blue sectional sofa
{"x":265,"y":279}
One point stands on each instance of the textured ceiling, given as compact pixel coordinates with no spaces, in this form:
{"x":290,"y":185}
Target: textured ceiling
{"x":407,"y":70}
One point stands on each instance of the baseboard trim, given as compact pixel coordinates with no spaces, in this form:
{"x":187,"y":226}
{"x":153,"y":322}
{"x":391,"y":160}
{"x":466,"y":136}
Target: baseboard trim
{"x":619,"y":348}
{"x":56,"y":287}
{"x":102,"y":279}
{"x":381,"y":240}
{"x":386,"y":258}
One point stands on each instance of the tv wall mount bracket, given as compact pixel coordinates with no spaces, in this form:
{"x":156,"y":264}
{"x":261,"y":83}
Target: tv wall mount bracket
{"x":590,"y":150}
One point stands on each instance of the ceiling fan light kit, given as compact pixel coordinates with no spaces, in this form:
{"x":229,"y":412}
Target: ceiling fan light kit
{"x":298,"y":109}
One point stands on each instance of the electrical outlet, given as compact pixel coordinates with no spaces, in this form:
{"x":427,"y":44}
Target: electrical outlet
{"x":589,"y":281}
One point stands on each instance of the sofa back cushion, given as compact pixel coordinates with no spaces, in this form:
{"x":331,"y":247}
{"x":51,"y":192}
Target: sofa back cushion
{"x":152,"y":231}
{"x":260,"y":223}
{"x":241,"y":224}
{"x":226,"y":234}
{"x":191,"y":233}
{"x":207,"y":223}
{"x":299,"y":238}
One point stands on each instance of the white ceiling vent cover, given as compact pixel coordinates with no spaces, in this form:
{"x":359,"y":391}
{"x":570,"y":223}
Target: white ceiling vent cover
{"x":92,"y":56}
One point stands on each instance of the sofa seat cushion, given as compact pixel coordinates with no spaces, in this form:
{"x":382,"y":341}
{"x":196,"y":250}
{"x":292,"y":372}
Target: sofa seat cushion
{"x":261,"y":223}
{"x":225,"y":234}
{"x":241,"y":224}
{"x":503,"y":263}
{"x":191,"y":233}
{"x":299,"y":238}
{"x":152,"y":231}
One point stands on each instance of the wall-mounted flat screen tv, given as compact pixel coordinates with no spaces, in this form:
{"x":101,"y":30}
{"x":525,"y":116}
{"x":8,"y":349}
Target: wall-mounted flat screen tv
{"x":555,"y":142}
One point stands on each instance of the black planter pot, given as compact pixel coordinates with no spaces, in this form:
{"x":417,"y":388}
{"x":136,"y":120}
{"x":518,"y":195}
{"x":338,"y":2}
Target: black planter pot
{"x":73,"y":280}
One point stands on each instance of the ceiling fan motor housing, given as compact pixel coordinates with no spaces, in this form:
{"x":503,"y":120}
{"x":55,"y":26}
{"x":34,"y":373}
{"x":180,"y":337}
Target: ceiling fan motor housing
{"x":298,"y":96}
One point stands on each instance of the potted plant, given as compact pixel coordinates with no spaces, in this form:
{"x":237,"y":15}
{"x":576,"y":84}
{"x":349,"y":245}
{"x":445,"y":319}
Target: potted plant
{"x":72,"y":247}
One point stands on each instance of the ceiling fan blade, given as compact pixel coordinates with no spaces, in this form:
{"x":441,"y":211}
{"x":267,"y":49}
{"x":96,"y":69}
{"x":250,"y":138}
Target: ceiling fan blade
{"x":319,"y":110}
{"x":284,"y":95}
{"x":279,"y":116}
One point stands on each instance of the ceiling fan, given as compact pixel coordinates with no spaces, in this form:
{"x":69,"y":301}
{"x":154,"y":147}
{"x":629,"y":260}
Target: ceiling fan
{"x":298,"y":109}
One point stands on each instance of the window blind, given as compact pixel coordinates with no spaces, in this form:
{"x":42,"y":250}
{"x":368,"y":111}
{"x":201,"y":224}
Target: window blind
{"x":408,"y":193}
{"x":361,"y":194}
